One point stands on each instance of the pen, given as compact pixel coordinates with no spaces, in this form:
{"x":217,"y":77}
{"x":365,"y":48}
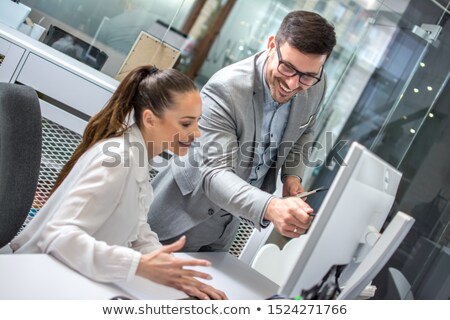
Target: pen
{"x":308,"y":193}
{"x":305,"y":194}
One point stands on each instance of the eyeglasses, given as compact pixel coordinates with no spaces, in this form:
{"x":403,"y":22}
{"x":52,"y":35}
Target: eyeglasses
{"x":288,"y":71}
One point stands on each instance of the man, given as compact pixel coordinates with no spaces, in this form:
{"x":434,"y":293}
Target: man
{"x":258,"y":117}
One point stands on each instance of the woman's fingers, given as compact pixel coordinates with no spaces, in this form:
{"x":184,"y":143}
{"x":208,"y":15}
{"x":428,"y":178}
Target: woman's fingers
{"x":195,"y":273}
{"x":214,"y":293}
{"x":205,"y":292}
{"x":162,"y":267}
{"x":191,"y":262}
{"x":178,"y":245}
{"x":174,"y":246}
{"x":195,"y":292}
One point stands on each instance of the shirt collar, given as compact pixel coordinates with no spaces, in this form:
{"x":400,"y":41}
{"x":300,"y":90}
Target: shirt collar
{"x":267,"y":97}
{"x":137,"y":138}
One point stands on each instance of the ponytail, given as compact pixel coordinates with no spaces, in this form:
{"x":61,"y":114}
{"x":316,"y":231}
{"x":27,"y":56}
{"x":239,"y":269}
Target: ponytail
{"x":145,"y":87}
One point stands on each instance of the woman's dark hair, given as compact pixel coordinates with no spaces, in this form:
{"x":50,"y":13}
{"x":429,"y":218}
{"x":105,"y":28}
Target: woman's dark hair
{"x":308,"y":32}
{"x":145,"y":87}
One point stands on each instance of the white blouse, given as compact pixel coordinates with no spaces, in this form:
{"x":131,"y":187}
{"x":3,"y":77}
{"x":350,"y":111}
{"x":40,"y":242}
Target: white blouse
{"x":96,"y":221}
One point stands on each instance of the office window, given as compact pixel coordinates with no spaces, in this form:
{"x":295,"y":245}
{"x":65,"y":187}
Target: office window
{"x":109,"y":26}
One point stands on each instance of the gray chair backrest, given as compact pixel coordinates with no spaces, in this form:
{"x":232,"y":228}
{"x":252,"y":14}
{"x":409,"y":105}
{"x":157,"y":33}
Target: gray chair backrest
{"x":20,"y":156}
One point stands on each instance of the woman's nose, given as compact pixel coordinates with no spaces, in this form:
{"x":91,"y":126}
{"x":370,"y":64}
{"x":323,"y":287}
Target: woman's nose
{"x":197,"y":132}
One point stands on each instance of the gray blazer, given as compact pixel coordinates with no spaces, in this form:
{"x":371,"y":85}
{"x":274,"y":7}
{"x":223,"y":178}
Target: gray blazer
{"x":214,"y":173}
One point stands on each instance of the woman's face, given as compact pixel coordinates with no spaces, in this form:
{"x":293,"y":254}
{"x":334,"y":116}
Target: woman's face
{"x":178,"y":126}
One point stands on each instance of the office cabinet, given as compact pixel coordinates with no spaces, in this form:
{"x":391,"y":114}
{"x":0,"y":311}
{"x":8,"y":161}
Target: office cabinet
{"x":62,"y":85}
{"x":10,"y":56}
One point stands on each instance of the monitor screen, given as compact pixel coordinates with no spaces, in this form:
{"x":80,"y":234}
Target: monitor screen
{"x":356,"y":206}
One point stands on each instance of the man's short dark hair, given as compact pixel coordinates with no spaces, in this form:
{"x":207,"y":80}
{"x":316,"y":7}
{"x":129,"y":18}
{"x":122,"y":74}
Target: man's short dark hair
{"x":308,"y":32}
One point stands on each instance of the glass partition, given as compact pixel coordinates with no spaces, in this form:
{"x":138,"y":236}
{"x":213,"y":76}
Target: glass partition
{"x":251,"y":22}
{"x":397,"y":105}
{"x":111,"y":26}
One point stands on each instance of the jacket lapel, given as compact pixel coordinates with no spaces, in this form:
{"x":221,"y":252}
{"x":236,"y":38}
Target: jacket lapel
{"x":258,"y":97}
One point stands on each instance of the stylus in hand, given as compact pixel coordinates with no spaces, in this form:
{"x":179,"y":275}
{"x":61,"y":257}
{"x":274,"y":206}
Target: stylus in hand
{"x":308,"y":193}
{"x":303,"y":195}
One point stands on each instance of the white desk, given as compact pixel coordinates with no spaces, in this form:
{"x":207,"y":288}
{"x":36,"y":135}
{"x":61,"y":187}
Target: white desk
{"x":40,"y":276}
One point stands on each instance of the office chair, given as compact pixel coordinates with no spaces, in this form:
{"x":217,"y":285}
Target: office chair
{"x":20,"y":156}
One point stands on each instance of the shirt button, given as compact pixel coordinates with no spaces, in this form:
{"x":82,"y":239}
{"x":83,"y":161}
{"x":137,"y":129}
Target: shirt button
{"x":14,"y":246}
{"x":210,"y":212}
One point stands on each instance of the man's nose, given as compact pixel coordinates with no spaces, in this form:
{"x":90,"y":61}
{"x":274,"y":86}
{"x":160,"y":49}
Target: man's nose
{"x":292,"y":82}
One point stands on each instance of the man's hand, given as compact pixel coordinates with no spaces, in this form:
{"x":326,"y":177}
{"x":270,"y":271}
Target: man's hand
{"x":292,"y":186}
{"x":290,"y":216}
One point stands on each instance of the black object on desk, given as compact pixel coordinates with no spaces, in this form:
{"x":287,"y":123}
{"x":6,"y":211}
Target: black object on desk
{"x":120,"y":298}
{"x":67,"y":43}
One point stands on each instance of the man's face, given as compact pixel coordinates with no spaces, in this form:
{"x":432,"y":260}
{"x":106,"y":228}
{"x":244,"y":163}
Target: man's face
{"x":294,"y":64}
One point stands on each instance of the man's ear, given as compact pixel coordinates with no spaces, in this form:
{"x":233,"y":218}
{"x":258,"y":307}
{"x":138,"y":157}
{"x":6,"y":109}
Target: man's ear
{"x":271,"y":43}
{"x":148,"y":118}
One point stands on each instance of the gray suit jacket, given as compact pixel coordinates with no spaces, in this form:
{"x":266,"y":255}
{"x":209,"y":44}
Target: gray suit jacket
{"x":213,"y":175}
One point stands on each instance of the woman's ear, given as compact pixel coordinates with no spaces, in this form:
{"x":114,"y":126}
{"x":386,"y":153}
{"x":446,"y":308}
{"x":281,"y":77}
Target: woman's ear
{"x":148,"y":118}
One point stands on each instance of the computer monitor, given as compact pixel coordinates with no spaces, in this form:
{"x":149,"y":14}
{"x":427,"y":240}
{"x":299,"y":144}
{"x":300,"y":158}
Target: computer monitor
{"x":67,"y":43}
{"x":347,"y":223}
{"x":377,"y":257}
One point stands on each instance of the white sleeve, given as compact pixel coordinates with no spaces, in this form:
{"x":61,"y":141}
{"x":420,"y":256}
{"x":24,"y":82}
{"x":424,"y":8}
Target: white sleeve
{"x":147,"y":239}
{"x":84,"y":210}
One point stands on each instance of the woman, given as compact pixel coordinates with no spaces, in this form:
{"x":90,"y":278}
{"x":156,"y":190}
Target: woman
{"x":95,"y":221}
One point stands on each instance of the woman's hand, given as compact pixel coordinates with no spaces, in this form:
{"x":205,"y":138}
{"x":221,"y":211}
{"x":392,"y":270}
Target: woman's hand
{"x":162,"y":267}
